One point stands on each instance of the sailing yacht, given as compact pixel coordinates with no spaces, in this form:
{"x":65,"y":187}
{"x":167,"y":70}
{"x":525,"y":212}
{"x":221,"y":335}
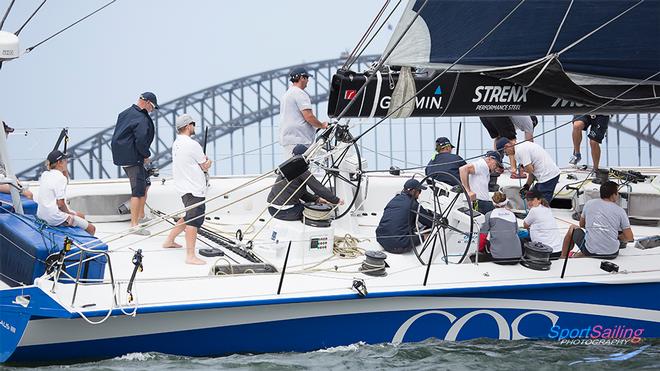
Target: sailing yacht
{"x":273,"y":286}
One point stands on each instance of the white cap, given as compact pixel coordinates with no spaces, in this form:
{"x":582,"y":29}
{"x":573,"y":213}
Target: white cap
{"x":183,"y":120}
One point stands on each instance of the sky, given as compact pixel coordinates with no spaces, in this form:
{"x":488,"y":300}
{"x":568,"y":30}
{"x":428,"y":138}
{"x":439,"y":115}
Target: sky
{"x":84,"y":77}
{"x":90,"y":73}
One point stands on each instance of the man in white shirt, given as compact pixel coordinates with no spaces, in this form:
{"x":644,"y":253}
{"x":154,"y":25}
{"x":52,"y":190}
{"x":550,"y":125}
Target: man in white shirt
{"x":188,"y":166}
{"x":475,"y":177}
{"x":505,"y":127}
{"x":298,"y":124}
{"x":51,"y":200}
{"x":537,"y":162}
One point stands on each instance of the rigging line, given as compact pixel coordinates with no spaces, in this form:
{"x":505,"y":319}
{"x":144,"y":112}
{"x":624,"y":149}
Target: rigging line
{"x":364,"y":36}
{"x":552,"y":45}
{"x":121,"y":234}
{"x":69,"y":26}
{"x":4,"y":17}
{"x":380,"y":63}
{"x":599,"y":28}
{"x":374,"y":35}
{"x":30,"y":18}
{"x":440,"y":74}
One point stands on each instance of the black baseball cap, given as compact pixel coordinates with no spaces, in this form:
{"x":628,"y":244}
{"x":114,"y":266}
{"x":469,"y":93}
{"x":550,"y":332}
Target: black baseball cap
{"x":151,"y":97}
{"x":413,"y":184}
{"x":443,"y":142}
{"x":501,"y":143}
{"x":8,"y":129}
{"x":56,"y":155}
{"x":495,"y":156}
{"x":297,"y":72}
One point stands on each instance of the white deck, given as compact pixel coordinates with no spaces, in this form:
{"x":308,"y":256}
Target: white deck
{"x":167,"y":280}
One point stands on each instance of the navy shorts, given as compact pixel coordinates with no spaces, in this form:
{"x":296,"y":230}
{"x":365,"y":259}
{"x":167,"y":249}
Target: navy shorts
{"x":137,"y":175}
{"x":195,"y":216}
{"x":499,"y":127}
{"x":596,"y":124}
{"x":548,"y":188}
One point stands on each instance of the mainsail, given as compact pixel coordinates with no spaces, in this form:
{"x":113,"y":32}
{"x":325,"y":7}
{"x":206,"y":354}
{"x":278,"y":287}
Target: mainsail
{"x":502,"y":57}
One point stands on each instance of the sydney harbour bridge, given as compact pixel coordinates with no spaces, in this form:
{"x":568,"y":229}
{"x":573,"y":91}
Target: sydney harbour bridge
{"x":242,"y":115}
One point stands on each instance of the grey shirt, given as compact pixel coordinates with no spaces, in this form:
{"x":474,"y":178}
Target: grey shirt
{"x":604,"y":220}
{"x":503,"y":228}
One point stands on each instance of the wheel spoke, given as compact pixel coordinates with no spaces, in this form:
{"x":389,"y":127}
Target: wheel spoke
{"x":451,"y":205}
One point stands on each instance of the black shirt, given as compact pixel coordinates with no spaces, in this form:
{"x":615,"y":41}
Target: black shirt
{"x":447,"y":162}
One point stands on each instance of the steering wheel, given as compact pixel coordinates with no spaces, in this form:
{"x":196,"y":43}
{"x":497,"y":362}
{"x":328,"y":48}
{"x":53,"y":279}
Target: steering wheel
{"x":446,"y":202}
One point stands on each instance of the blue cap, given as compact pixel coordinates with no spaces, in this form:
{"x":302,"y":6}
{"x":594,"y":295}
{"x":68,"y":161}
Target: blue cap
{"x":495,"y":156}
{"x":413,"y":184}
{"x":151,"y":97}
{"x":299,"y":149}
{"x":501,"y":143}
{"x":298,"y":72}
{"x":443,"y":142}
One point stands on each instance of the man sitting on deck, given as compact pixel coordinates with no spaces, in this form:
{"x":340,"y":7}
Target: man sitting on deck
{"x":52,"y":189}
{"x":606,"y":223}
{"x":396,"y":229}
{"x":285,"y":197}
{"x":445,"y":161}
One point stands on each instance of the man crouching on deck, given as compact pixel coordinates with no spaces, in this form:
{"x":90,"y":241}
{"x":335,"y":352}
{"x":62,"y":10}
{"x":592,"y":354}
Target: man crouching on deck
{"x":188,"y":166}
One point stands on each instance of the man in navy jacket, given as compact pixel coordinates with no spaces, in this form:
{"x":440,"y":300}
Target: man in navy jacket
{"x":131,"y":140}
{"x":396,"y":229}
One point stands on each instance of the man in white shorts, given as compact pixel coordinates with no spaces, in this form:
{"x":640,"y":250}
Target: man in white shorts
{"x":298,"y":124}
{"x":52,"y":196}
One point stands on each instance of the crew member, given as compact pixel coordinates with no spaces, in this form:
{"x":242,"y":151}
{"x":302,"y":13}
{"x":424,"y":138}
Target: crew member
{"x":52,"y":207}
{"x":445,"y":160}
{"x":188,"y":166}
{"x":498,"y":236}
{"x":537,"y":162}
{"x":475,"y":177}
{"x":396,"y":229}
{"x":6,"y":188}
{"x":297,"y":121}
{"x":505,"y":127}
{"x":541,"y":223}
{"x":286,"y":198}
{"x":131,"y":140}
{"x":606,"y":223}
{"x":597,"y":126}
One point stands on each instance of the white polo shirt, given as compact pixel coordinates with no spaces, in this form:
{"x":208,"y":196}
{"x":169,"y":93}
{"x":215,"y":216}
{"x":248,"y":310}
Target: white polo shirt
{"x":52,"y":187}
{"x":479,"y":180}
{"x":532,"y":153}
{"x":187,"y":154}
{"x":293,"y":127}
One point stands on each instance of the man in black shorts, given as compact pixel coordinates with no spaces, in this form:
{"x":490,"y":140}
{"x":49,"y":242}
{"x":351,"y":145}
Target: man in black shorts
{"x":597,"y":126}
{"x":130,"y":144}
{"x":188,"y":166}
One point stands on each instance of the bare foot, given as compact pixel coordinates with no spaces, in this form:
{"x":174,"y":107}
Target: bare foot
{"x":195,"y":261}
{"x":172,"y":245}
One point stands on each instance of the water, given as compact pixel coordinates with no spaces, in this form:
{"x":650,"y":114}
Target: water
{"x":428,"y":355}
